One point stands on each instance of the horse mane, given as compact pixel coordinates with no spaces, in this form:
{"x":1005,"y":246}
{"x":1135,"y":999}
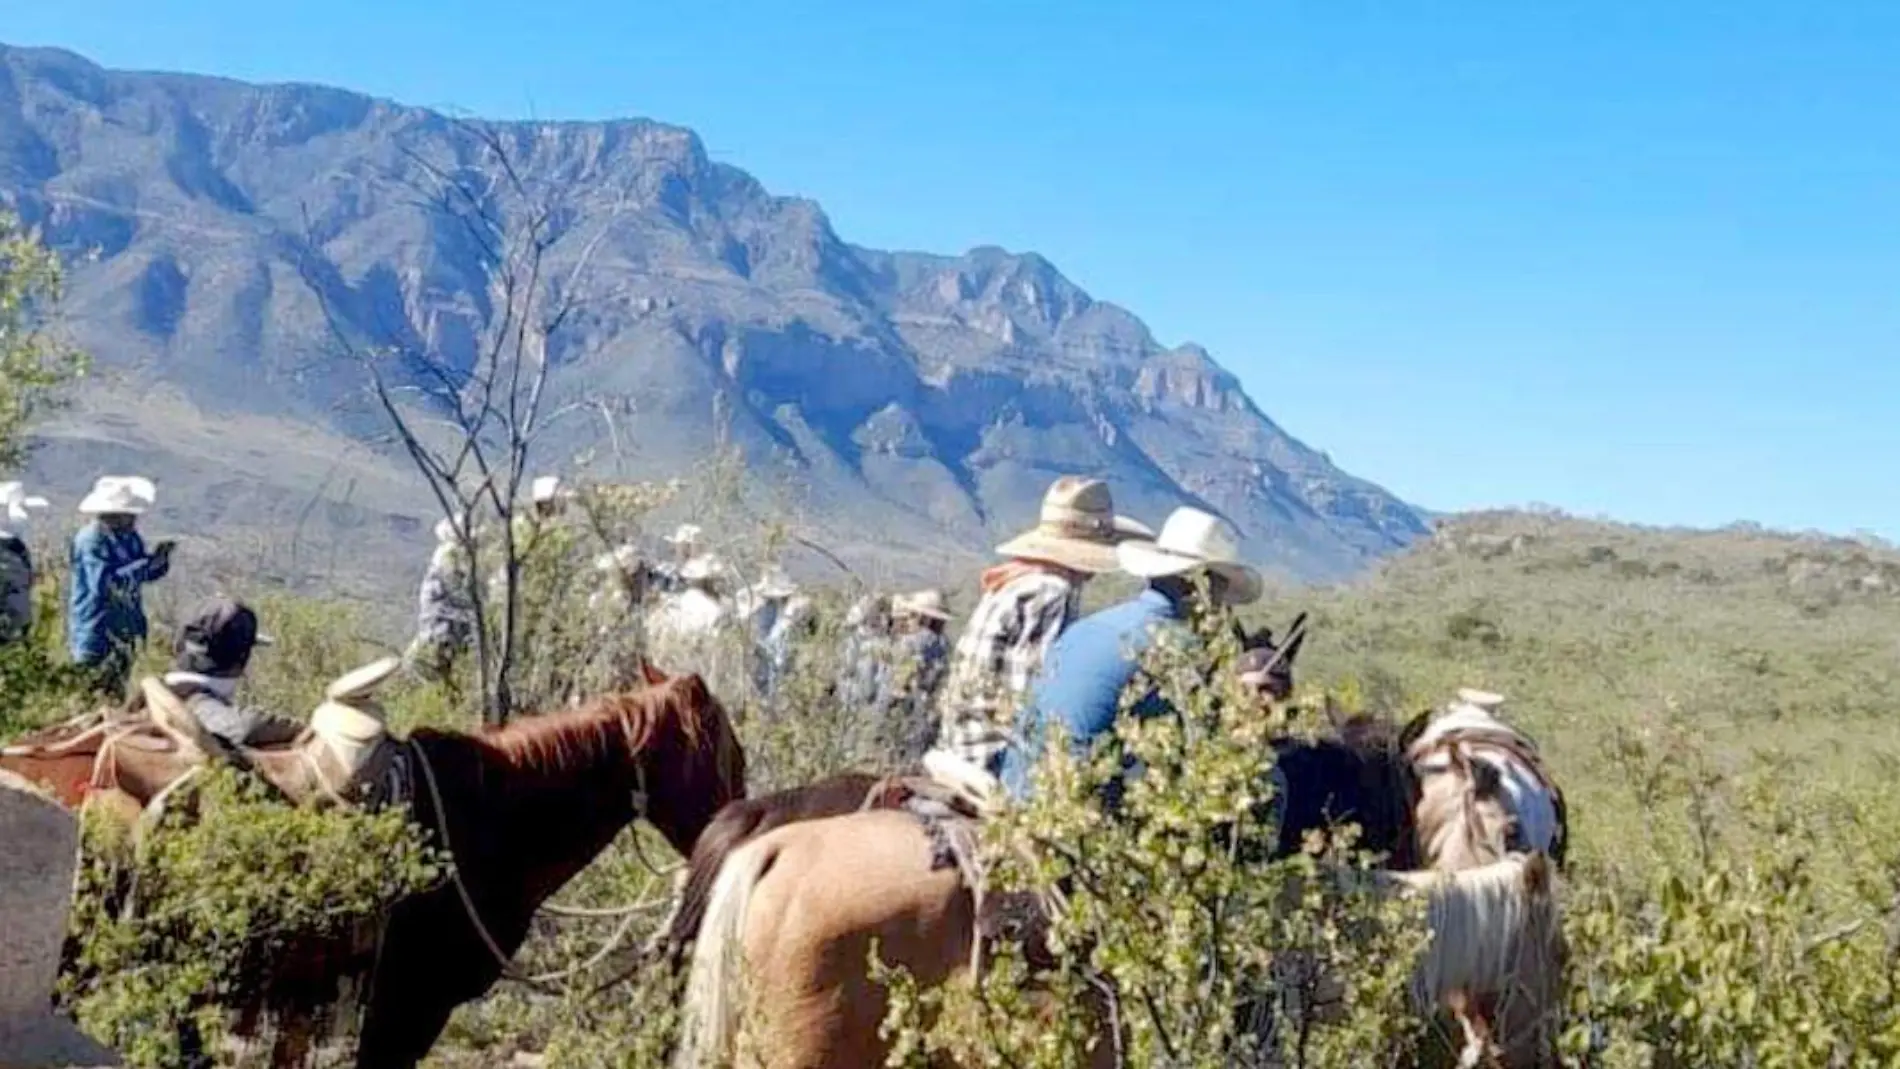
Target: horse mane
{"x":674,"y":722}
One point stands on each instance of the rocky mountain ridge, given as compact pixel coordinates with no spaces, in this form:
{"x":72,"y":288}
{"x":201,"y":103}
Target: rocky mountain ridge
{"x":917,"y":403}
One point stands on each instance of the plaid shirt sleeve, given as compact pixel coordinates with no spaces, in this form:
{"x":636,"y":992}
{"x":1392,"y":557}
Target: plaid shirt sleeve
{"x":997,"y":657}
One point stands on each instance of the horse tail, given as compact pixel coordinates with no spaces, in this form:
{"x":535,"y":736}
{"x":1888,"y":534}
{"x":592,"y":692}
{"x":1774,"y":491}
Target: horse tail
{"x":710,"y":1009}
{"x":1485,"y":923}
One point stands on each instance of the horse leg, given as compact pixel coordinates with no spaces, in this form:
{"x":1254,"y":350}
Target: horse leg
{"x":296,"y":1035}
{"x":400,"y":1027}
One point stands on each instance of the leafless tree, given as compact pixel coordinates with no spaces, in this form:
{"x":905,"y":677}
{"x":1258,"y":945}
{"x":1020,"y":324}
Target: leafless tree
{"x":470,"y":431}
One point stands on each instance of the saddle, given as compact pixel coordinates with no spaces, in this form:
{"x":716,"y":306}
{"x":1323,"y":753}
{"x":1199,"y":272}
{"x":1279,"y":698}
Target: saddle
{"x":951,"y":797}
{"x":340,"y":759}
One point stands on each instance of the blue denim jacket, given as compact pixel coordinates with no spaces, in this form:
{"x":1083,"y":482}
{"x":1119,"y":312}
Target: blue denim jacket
{"x":106,"y":606}
{"x":1082,"y":681}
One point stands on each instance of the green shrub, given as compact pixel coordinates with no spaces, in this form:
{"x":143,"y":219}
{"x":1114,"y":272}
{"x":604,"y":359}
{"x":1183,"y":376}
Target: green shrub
{"x":180,"y":928}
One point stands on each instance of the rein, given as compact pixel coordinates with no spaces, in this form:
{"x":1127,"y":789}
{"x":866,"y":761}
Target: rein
{"x":543,"y":981}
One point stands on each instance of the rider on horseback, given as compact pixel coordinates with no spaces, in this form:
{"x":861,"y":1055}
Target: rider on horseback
{"x":210,"y":655}
{"x":1090,"y":665}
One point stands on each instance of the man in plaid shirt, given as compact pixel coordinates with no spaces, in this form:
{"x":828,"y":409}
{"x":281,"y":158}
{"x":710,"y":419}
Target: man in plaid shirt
{"x":1027,"y":601}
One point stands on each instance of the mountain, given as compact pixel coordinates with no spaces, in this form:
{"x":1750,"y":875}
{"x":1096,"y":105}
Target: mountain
{"x":916,"y":404}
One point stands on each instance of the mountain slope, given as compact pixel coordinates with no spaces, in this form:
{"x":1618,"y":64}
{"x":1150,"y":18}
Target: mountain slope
{"x":928,"y":399}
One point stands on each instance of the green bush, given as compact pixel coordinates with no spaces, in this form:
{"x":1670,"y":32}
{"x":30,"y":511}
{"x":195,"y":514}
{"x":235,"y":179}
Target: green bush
{"x":182,"y":926}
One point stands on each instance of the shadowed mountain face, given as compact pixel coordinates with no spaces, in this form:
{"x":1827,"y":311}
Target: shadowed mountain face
{"x":917,"y":404}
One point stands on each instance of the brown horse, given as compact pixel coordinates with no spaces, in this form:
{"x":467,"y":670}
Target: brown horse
{"x":520,"y":810}
{"x":1494,"y":912}
{"x":63,"y":758}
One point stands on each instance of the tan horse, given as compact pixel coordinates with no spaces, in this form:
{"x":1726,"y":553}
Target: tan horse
{"x":788,"y":935}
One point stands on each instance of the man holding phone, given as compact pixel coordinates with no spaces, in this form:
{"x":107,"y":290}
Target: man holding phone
{"x":110,"y":566}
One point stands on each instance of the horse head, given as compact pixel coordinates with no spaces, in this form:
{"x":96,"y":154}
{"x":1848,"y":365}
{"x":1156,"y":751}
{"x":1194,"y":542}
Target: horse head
{"x":1267,"y":665}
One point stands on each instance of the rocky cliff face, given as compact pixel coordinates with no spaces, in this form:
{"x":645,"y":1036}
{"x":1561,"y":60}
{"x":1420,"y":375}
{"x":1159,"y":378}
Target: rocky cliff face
{"x":925,"y":398}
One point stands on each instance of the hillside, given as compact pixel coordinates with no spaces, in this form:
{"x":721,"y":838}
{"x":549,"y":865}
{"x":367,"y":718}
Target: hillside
{"x":927,"y":398}
{"x":1612,"y":639}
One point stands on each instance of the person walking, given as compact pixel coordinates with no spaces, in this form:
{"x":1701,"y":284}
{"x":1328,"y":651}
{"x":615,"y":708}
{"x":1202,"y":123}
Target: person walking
{"x":445,"y":613}
{"x":920,"y":656}
{"x":110,"y":566}
{"x":16,"y":562}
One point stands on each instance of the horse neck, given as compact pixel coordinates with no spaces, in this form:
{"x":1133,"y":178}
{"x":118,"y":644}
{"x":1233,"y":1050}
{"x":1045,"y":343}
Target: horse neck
{"x":534,"y":825}
{"x":1364,"y":785}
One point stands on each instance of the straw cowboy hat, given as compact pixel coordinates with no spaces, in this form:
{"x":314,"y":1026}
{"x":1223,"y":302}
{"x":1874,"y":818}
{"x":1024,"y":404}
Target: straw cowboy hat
{"x":125,"y":495}
{"x":687,"y":534}
{"x":1194,"y":541}
{"x":13,"y":498}
{"x":1078,"y":528}
{"x":928,"y":604}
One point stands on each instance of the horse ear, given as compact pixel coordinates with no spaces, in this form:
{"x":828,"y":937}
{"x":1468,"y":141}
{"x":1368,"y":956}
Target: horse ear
{"x":1413,"y":728}
{"x":1334,"y":714}
{"x":652,"y":675}
{"x":1293,"y":649}
{"x":1298,"y":624}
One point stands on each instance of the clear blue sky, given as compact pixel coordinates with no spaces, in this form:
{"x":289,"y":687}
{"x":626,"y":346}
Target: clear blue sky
{"x":1633,"y":259}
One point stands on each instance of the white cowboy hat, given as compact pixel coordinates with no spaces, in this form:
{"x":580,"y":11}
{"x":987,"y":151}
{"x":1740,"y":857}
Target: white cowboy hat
{"x":624,"y":558}
{"x":928,"y":604}
{"x":687,"y":534}
{"x":128,"y":495}
{"x":446,"y":526}
{"x":1077,"y":529}
{"x":775,"y":585}
{"x":13,"y":498}
{"x":704,"y":566}
{"x":544,"y":488}
{"x":1194,"y":541}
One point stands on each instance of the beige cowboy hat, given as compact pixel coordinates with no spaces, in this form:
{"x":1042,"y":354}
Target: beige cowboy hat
{"x":544,"y":489}
{"x":776,"y":585}
{"x":14,"y":499}
{"x":1078,"y":528}
{"x":687,"y":534}
{"x":704,"y":566}
{"x":1194,"y":541}
{"x":928,"y":604}
{"x":119,"y":495}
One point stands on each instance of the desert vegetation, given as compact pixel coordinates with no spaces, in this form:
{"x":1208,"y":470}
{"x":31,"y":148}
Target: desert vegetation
{"x":1717,"y":705}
